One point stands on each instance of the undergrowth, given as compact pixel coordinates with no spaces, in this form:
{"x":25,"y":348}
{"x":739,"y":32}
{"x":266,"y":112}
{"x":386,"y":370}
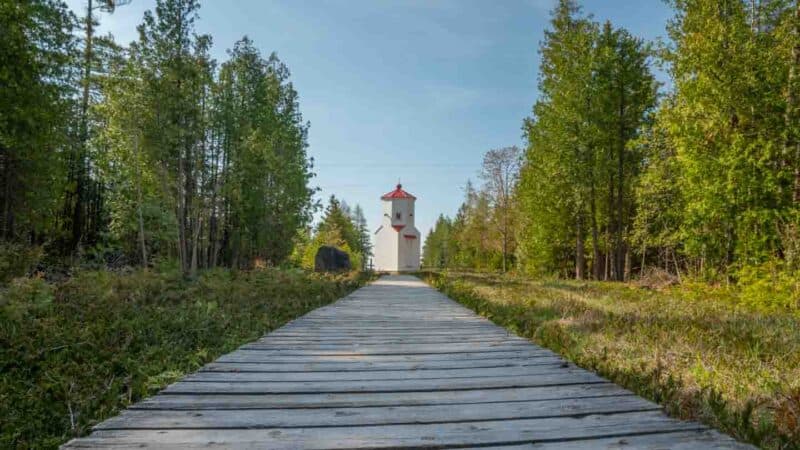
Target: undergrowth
{"x":696,"y":350}
{"x":76,"y":352}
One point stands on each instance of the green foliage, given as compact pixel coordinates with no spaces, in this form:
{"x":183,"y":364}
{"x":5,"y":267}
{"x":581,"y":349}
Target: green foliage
{"x":770,"y":286}
{"x":482,"y":234}
{"x":75,"y":353}
{"x":150,"y":148}
{"x":440,"y":248}
{"x":701,"y":352}
{"x":17,"y":260}
{"x":727,"y":123}
{"x":341,"y":228}
{"x":37,"y":53}
{"x":708,"y":184}
{"x":578,"y":176}
{"x":262,"y":141}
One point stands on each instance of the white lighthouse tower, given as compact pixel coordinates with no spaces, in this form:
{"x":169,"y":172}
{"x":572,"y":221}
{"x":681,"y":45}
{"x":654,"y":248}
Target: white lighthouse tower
{"x":397,"y":239}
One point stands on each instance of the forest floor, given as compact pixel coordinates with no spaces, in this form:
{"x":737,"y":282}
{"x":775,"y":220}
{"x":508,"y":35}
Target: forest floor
{"x":75,"y":352}
{"x":692,"y":348}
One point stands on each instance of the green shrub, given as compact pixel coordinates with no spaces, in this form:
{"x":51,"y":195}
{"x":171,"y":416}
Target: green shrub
{"x":75,"y":353}
{"x":770,"y":287}
{"x":17,"y":260}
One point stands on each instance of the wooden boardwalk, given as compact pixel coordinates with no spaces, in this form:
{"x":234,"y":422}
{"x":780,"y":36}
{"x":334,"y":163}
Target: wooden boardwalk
{"x":396,"y":364}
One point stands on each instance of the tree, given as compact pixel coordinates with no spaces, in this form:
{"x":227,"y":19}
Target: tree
{"x":336,"y":229}
{"x":729,"y":122}
{"x":659,"y":200}
{"x":624,"y":92}
{"x":580,"y":168}
{"x":557,"y":172}
{"x":37,"y":53}
{"x":500,"y":172}
{"x":207,"y":166}
{"x":261,"y":139}
{"x":438,"y":251}
{"x":363,"y":242}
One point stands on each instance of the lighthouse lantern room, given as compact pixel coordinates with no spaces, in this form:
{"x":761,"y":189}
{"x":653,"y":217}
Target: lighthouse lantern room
{"x":397,"y":239}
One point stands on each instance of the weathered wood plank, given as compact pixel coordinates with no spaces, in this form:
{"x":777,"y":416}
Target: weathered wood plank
{"x":362,"y":366}
{"x":396,"y":415}
{"x":256,"y":356}
{"x":365,"y":399}
{"x":324,"y":387}
{"x":396,"y":349}
{"x":392,"y":375}
{"x":397,"y":436}
{"x":680,"y":440}
{"x":380,"y":340}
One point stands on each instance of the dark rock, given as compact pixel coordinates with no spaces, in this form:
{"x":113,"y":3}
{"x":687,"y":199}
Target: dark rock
{"x":331,"y":259}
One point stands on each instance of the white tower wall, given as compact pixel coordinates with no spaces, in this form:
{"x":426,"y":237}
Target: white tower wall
{"x":397,"y":241}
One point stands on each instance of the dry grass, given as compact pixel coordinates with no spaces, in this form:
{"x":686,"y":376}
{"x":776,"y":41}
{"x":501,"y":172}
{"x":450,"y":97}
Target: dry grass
{"x":693,"y":348}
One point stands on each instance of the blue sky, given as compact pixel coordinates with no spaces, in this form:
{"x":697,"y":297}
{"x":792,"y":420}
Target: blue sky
{"x":411,"y":90}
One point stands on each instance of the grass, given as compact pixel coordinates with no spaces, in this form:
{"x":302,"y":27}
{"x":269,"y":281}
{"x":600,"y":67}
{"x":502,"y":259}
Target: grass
{"x":76,"y":352}
{"x":695,"y":349}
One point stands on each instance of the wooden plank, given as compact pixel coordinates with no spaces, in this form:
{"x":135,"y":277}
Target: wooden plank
{"x":396,"y":349}
{"x":679,"y":440}
{"x":395,"y":415}
{"x":363,"y":366}
{"x":393,"y":375}
{"x":396,"y":436}
{"x":256,"y":356}
{"x":365,"y":399}
{"x":323,"y":387}
{"x":382,"y":340}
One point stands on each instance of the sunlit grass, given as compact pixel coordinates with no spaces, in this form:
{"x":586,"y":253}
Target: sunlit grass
{"x":696,"y":349}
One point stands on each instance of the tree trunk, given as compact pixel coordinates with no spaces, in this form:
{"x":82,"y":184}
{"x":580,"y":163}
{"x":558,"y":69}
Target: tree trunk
{"x":644,"y":258}
{"x":607,"y":265}
{"x":80,"y":169}
{"x":627,"y":273}
{"x":580,"y":259}
{"x":181,"y":213}
{"x":195,"y":246}
{"x":8,"y":209}
{"x":212,"y":222}
{"x":597,"y":267}
{"x":619,"y":251}
{"x":139,"y":198}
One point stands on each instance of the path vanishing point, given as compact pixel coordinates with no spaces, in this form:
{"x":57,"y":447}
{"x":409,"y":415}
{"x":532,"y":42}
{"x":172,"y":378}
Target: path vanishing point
{"x":396,"y":364}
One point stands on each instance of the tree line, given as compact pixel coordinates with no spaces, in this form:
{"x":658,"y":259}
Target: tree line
{"x":340,"y":226}
{"x":149,"y":151}
{"x":622,"y":175}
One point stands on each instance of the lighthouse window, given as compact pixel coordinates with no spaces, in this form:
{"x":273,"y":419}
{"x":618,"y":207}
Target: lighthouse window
{"x":398,"y":216}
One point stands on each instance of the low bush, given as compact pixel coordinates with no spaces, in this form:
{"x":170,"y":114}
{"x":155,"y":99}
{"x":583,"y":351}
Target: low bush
{"x":17,"y":260}
{"x":770,"y":287}
{"x":74,"y":353}
{"x":701,"y":351}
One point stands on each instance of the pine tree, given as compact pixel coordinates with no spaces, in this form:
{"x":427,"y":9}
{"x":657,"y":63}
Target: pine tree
{"x":364,"y":244}
{"x":438,"y":251}
{"x":580,"y":169}
{"x":726,"y":123}
{"x":37,"y":56}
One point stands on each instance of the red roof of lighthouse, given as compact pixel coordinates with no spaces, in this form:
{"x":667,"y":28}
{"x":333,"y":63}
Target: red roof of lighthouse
{"x":397,"y":193}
